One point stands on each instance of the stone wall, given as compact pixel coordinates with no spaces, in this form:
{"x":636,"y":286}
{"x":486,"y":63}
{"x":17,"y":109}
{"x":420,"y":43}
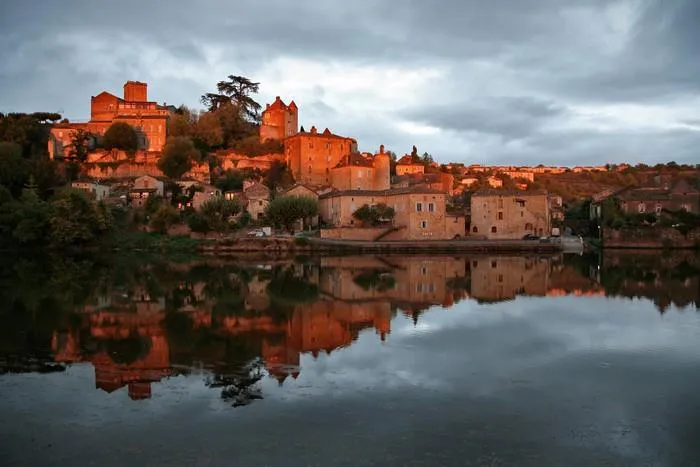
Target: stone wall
{"x":355,"y":233}
{"x":649,"y":237}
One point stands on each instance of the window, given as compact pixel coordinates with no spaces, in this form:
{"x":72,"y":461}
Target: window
{"x":260,"y":203}
{"x":494,"y":264}
{"x":311,"y":145}
{"x":419,"y":207}
{"x":475,"y":229}
{"x":658,"y":209}
{"x":431,"y":207}
{"x":500,"y":216}
{"x":423,"y":224}
{"x":685,"y":207}
{"x":528,"y":227}
{"x":494,"y":229}
{"x":500,"y":278}
{"x":522,"y":214}
{"x":500,"y":203}
{"x":424,"y":271}
{"x":475,"y":264}
{"x":359,"y":174}
{"x":642,"y":207}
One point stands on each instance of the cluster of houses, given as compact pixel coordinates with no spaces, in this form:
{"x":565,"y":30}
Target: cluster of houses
{"x":329,"y":168}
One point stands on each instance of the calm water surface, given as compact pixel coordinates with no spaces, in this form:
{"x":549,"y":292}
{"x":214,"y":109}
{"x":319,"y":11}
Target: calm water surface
{"x":393,"y":360}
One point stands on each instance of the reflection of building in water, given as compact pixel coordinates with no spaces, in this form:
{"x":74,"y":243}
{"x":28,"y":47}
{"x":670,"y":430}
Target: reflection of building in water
{"x":322,"y":326}
{"x":505,"y":277}
{"x":131,"y":350}
{"x":406,"y":282}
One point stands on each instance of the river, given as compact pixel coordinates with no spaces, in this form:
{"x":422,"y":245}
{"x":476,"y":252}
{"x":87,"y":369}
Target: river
{"x":351,"y":360}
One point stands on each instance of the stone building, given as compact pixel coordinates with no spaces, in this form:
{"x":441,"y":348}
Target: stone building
{"x":144,"y":188}
{"x":440,"y":181}
{"x":362,"y":172}
{"x":279,"y":121}
{"x":406,"y":165}
{"x":678,"y":196}
{"x":95,"y":190}
{"x":502,"y":214}
{"x":311,"y":155}
{"x":148,"y":118}
{"x":257,"y":197}
{"x":500,"y":278}
{"x":420,"y":214}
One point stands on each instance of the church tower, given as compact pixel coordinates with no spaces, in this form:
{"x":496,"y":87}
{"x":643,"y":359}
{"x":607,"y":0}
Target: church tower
{"x":279,"y":121}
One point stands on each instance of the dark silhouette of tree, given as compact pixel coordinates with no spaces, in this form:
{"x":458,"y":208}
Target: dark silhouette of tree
{"x":122,"y":136}
{"x":178,"y":154}
{"x":235,"y":91}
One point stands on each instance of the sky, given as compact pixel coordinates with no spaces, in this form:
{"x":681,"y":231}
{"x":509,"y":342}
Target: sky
{"x":500,"y":82}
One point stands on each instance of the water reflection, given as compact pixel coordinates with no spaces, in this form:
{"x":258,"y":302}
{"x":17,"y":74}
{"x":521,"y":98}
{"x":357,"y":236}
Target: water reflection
{"x":237,"y":322}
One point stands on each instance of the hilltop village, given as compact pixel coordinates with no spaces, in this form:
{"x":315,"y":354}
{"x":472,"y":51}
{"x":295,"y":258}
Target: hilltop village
{"x":182,"y":168}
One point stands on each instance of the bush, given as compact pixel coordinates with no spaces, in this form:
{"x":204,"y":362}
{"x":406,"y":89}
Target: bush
{"x":165,"y":217}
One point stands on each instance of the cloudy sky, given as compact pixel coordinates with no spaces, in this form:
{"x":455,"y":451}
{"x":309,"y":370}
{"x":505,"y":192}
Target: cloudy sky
{"x":503,"y":81}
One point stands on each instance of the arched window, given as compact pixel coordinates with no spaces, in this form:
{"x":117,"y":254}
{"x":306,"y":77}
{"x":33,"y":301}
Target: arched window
{"x":475,"y":229}
{"x":528,"y":226}
{"x":494,"y":229}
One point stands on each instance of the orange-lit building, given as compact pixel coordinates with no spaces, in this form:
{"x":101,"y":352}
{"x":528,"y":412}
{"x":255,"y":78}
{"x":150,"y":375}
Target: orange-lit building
{"x":148,"y":118}
{"x":279,"y":121}
{"x":311,"y":155}
{"x":406,"y":166}
{"x":362,"y":172}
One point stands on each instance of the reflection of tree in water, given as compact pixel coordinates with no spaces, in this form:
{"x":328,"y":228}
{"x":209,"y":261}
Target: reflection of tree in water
{"x":127,"y":351}
{"x":286,"y":288}
{"x":377,"y":279}
{"x":240,"y":386}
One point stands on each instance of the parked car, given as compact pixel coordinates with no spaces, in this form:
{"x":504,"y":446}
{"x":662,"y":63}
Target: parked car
{"x":530,"y":237}
{"x":256,"y":233}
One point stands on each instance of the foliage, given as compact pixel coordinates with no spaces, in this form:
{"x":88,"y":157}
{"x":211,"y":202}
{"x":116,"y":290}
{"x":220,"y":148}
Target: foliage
{"x":76,"y":220}
{"x":79,"y":146}
{"x":14,"y":169}
{"x":251,"y":146}
{"x":178,"y":154}
{"x":375,"y":279}
{"x":374,"y":215}
{"x":122,"y":136}
{"x":197,"y":223}
{"x":287,"y":210}
{"x":29,"y":131}
{"x":232,"y":180}
{"x":278,"y":175}
{"x":236,"y":91}
{"x":208,"y":130}
{"x":165,"y":217}
{"x":219,"y":212}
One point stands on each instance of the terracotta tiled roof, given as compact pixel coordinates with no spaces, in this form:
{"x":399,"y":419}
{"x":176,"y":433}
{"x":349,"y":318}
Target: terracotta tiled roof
{"x":516,"y":193}
{"x":393,"y":192}
{"x":407,"y":160}
{"x":354,"y":160}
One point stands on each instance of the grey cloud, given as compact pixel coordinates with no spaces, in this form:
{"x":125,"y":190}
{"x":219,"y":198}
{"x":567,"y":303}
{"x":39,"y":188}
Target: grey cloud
{"x":507,"y":117}
{"x":553,"y":54}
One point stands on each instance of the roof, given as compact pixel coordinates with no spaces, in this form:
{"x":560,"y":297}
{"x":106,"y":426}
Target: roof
{"x":278,"y":104}
{"x":144,"y":190}
{"x":256,"y":189}
{"x":514,"y":193}
{"x":393,"y":192}
{"x":302,"y":185}
{"x":354,"y":159}
{"x":315,"y":134}
{"x":407,"y":160}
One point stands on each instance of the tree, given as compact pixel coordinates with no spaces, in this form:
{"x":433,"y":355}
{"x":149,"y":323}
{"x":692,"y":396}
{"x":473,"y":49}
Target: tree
{"x":77,"y":220}
{"x":231,"y":180}
{"x":208,"y":130}
{"x":178,"y":154}
{"x":374,"y":215}
{"x":29,"y":131}
{"x":182,"y":122}
{"x":32,"y":219}
{"x":414,"y":155}
{"x":237,"y":92}
{"x":219,"y":213}
{"x":122,"y":136}
{"x":278,"y":175}
{"x":79,"y":145}
{"x":14,"y":169}
{"x":287,"y":210}
{"x":165,"y":217}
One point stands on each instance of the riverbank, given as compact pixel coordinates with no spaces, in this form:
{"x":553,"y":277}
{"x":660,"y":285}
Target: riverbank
{"x":318,"y":245}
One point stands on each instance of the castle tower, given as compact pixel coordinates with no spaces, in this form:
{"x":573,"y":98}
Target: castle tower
{"x":279,"y":121}
{"x":382,"y":170}
{"x":135,"y":91}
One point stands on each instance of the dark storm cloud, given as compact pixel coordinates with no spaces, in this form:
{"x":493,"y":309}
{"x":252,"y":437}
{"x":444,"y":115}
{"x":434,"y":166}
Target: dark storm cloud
{"x":550,"y":56}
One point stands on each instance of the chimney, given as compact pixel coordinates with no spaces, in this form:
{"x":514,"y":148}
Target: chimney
{"x":313,"y":130}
